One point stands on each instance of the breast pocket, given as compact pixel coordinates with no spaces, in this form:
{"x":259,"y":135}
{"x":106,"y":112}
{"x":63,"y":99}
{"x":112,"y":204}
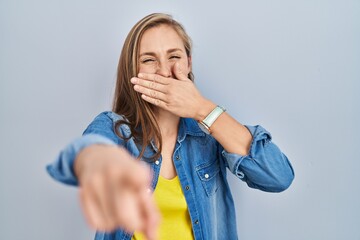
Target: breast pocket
{"x":209,"y":177}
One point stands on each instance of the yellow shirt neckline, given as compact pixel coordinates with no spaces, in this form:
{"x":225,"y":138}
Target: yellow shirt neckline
{"x":170,"y":199}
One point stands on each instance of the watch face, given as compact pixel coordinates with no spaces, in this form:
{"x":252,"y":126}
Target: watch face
{"x":203,"y":128}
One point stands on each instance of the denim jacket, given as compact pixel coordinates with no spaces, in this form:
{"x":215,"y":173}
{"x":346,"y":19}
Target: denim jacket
{"x":200,"y":163}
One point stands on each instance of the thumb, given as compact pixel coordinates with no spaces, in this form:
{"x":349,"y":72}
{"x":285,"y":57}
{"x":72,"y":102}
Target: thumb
{"x":178,"y":72}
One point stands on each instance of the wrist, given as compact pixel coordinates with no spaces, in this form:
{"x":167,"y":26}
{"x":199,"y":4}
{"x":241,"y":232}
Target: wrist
{"x":204,"y":109}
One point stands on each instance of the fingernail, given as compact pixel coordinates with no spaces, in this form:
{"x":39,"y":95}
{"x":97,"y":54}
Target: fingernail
{"x":140,"y":75}
{"x":133,"y":80}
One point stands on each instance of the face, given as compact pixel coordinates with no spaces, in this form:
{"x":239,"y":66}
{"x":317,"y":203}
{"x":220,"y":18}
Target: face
{"x":160,"y":48}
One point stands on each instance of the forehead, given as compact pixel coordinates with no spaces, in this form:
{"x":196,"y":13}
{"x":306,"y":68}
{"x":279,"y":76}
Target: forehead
{"x":160,"y":38}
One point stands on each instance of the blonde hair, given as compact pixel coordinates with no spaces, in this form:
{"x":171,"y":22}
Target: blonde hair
{"x":138,"y":114}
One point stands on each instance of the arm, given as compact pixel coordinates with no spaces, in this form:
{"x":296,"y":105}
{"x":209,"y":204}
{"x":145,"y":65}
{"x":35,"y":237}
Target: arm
{"x":113,"y":185}
{"x":248,"y":151}
{"x":232,"y":135}
{"x":265,"y":167}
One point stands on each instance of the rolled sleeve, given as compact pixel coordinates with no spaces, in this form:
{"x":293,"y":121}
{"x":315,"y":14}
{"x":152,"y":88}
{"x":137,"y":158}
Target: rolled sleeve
{"x":265,"y":167}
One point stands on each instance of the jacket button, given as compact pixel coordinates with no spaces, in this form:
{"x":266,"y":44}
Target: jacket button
{"x":196,"y":221}
{"x":206,"y":176}
{"x":157,"y":162}
{"x":177,"y":157}
{"x":187,"y":187}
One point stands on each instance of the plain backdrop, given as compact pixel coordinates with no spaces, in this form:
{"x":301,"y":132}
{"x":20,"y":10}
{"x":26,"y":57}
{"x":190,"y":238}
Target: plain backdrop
{"x":291,"y":66}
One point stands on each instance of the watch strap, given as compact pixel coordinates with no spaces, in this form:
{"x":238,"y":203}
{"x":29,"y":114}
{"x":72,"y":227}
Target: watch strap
{"x":213,"y":115}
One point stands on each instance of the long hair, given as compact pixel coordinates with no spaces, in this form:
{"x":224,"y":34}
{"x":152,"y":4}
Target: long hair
{"x":139,"y":114}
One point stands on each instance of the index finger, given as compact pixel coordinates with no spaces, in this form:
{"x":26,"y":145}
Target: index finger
{"x":154,"y":77}
{"x":151,"y":216}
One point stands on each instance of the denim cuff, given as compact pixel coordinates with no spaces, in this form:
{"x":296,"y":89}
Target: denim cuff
{"x":234,"y":160}
{"x":62,"y":169}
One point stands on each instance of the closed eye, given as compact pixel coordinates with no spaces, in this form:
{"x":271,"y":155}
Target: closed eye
{"x":147,"y":60}
{"x":175,"y":57}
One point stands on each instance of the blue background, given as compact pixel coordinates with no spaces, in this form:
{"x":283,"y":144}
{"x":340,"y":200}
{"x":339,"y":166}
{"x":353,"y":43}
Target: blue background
{"x":291,"y":66}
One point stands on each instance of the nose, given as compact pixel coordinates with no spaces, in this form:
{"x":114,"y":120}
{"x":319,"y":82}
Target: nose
{"x":164,"y":69}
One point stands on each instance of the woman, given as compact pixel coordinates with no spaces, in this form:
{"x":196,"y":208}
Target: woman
{"x":164,"y":149}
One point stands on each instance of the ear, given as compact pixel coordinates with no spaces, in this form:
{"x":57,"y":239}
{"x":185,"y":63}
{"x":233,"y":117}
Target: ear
{"x":189,"y":63}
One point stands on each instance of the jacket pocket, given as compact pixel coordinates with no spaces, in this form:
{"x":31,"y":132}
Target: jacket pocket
{"x":209,"y":176}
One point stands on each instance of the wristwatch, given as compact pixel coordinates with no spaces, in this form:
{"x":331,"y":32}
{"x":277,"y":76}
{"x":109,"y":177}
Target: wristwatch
{"x":210,"y":119}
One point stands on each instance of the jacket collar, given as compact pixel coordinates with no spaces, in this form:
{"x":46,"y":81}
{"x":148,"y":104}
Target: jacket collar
{"x":189,"y":126}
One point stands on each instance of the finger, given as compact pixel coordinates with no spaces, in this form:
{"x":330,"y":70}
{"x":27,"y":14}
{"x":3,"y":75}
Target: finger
{"x":154,"y":101}
{"x":101,"y":192}
{"x":178,"y":72}
{"x":152,"y":216}
{"x":89,"y":209}
{"x":152,"y":93}
{"x":92,"y":210}
{"x":149,"y":84}
{"x":128,"y":211}
{"x":112,"y":189}
{"x":154,"y":77}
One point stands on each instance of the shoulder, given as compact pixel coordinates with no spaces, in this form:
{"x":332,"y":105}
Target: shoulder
{"x":106,"y":121}
{"x":109,"y":116}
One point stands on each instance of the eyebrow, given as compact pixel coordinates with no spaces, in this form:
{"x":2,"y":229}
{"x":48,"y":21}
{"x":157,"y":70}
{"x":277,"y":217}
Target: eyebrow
{"x":168,"y":51}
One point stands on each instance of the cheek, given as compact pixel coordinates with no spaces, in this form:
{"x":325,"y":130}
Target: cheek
{"x":185,"y":66}
{"x":147,"y":68}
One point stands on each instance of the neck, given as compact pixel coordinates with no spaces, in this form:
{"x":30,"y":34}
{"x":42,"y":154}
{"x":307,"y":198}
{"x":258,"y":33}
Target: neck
{"x":168,"y":123}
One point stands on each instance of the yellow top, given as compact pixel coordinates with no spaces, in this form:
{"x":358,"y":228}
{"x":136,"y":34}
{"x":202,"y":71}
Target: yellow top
{"x":175,"y":222}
